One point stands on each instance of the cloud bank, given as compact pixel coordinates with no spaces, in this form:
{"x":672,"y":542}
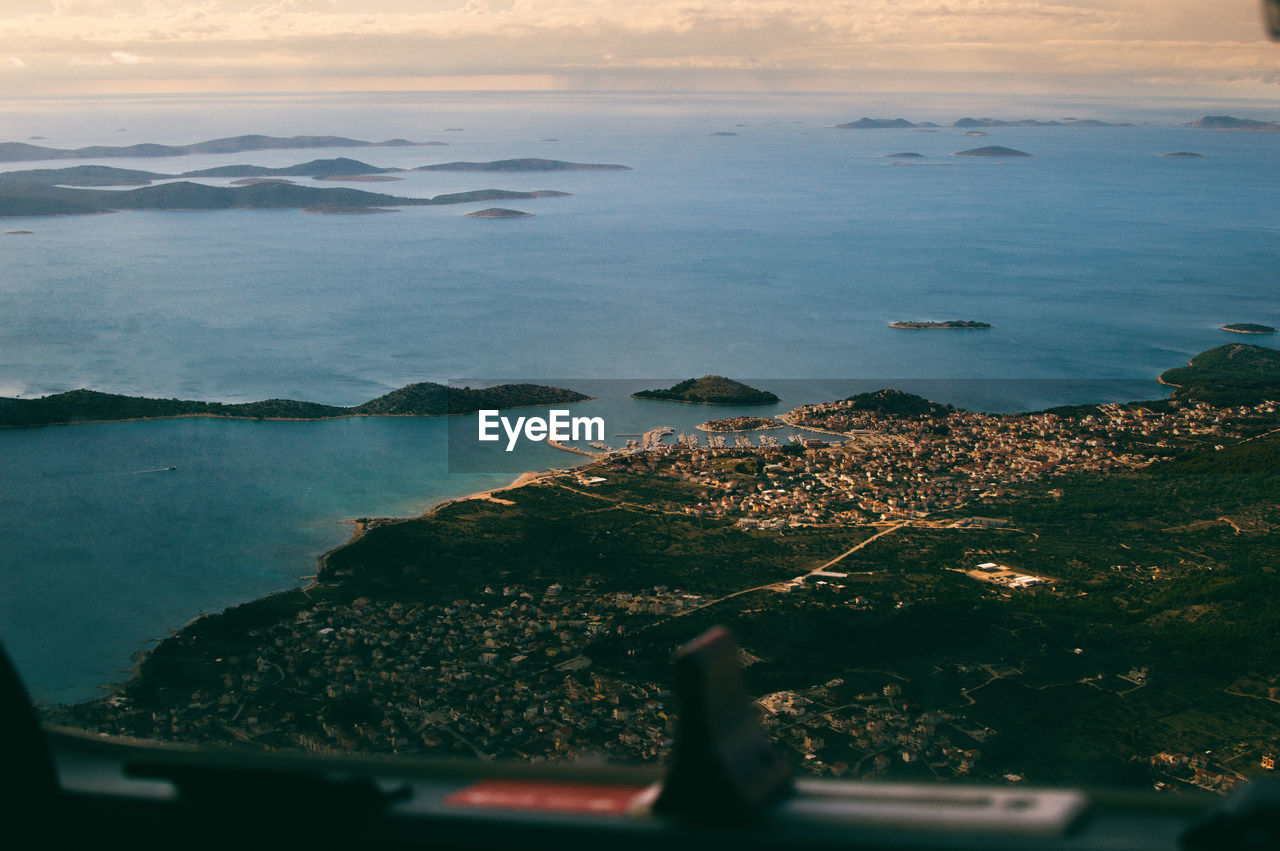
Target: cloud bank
{"x":837,"y":44}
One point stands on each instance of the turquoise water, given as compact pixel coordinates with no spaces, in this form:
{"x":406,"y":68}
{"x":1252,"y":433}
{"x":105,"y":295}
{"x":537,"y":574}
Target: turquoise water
{"x":777,"y":254}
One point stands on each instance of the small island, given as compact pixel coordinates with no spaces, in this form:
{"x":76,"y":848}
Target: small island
{"x":905,"y":155}
{"x":522,"y":165}
{"x":1248,"y":328}
{"x":729,"y":424}
{"x":1184,"y":155}
{"x":358,"y":178}
{"x":999,"y":151}
{"x":499,"y":213}
{"x":710,"y":390}
{"x":918,"y":325}
{"x":426,"y":399}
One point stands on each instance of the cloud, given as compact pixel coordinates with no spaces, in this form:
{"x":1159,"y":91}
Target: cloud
{"x":15,"y":62}
{"x":1078,"y":38}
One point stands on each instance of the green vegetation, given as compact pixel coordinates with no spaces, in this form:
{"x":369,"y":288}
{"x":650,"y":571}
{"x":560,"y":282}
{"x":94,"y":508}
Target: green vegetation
{"x":1249,"y":328}
{"x":1153,"y":632}
{"x":425,"y":399}
{"x":711,"y":390}
{"x":895,"y":403}
{"x":1234,"y":374}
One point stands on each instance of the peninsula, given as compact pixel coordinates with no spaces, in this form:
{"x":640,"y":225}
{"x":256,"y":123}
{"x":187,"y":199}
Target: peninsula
{"x":710,"y":390}
{"x":920,"y":325}
{"x":31,"y":199}
{"x":426,"y":399}
{"x":1234,"y":374}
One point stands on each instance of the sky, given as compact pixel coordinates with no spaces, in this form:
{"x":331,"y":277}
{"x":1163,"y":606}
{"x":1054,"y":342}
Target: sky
{"x":1148,"y":47}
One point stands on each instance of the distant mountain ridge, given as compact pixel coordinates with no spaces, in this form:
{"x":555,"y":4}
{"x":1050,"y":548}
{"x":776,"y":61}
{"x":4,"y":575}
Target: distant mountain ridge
{"x":415,"y":400}
{"x":1230,"y":122}
{"x":19,"y":151}
{"x":965,"y":123}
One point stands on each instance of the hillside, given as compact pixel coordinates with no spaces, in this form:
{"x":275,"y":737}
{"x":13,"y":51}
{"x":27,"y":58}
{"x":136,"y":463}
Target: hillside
{"x":1234,"y":374}
{"x":896,"y":403}
{"x":711,"y":390}
{"x":426,"y":399}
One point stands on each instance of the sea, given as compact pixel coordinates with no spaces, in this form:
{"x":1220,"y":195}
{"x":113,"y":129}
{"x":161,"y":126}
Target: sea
{"x":750,"y":238}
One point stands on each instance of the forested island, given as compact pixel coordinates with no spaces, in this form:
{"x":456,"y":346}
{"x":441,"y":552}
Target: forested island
{"x":19,"y":151}
{"x":1248,"y":328}
{"x":1230,"y":122}
{"x":31,"y":199}
{"x":415,"y":400}
{"x":920,"y":325}
{"x":337,"y":168}
{"x":523,"y":165}
{"x":499,"y":213}
{"x":710,"y":390}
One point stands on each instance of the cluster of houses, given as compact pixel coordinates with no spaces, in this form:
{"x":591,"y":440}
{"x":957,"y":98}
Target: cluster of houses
{"x":910,"y":467}
{"x":498,"y":676}
{"x":871,"y":734}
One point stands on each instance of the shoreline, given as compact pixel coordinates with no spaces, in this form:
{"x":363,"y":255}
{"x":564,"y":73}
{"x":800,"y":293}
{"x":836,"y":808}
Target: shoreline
{"x":361,"y":526}
{"x":350,"y":416}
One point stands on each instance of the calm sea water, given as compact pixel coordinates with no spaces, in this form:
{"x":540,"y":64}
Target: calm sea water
{"x":778,"y":253}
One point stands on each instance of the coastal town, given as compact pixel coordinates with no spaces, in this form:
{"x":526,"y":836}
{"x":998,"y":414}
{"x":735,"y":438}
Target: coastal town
{"x":533,"y":672}
{"x":878,"y":467}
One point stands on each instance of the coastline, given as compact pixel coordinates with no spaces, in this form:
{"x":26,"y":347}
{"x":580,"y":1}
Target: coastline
{"x":207,"y":416}
{"x":361,"y":526}
{"x":787,"y":419}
